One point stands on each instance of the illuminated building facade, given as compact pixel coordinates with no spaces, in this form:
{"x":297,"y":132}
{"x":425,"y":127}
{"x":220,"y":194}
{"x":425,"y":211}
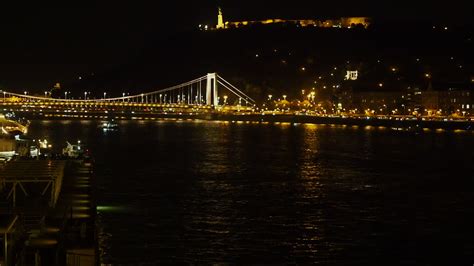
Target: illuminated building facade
{"x":412,"y":101}
{"x":345,"y":22}
{"x":352,"y":75}
{"x":448,"y":101}
{"x":381,"y":102}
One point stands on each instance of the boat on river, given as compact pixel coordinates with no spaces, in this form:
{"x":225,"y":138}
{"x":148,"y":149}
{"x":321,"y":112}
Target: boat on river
{"x":11,"y":125}
{"x":109,"y":126}
{"x":75,"y":151}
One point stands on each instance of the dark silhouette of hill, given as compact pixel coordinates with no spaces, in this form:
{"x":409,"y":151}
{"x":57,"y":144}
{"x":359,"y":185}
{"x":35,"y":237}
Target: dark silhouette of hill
{"x":284,"y":58}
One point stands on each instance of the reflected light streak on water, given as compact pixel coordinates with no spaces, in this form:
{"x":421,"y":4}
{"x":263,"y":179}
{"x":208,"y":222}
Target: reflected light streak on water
{"x":260,"y":193}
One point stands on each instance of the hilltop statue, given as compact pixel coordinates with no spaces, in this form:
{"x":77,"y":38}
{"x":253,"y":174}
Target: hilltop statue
{"x":220,"y":20}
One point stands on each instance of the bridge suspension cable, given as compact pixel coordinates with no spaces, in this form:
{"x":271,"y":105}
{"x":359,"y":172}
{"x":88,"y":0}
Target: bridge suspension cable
{"x":190,"y":92}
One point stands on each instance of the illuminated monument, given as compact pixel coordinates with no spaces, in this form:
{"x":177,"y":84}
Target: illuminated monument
{"x":344,"y":22}
{"x":220,"y":20}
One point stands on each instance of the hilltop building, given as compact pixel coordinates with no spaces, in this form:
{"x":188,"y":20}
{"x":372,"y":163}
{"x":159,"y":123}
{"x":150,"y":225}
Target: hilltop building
{"x":345,"y":22}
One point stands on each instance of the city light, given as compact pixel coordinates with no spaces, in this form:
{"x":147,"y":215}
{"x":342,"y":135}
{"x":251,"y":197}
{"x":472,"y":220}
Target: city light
{"x":330,"y":141}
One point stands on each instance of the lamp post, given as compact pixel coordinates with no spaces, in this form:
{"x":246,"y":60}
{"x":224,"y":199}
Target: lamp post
{"x":105,"y":95}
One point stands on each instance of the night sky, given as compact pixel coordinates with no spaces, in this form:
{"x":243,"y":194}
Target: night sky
{"x":41,"y":45}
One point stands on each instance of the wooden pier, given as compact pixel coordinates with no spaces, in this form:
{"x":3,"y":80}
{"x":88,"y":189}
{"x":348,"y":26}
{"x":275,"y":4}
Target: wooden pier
{"x":47,"y":213}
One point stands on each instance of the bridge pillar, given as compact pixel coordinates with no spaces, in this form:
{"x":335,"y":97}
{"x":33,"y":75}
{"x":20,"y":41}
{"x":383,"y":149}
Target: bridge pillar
{"x":211,"y":90}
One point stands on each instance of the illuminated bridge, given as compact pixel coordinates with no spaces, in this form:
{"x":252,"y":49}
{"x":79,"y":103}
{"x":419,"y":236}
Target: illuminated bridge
{"x":209,"y":93}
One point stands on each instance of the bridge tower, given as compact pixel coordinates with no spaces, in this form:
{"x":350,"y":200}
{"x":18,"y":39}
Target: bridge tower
{"x":211,"y":90}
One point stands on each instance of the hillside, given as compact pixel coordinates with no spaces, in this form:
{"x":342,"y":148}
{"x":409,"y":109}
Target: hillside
{"x":282,"y":59}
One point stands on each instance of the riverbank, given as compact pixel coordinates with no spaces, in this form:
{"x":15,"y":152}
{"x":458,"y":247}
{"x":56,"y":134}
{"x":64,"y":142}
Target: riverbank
{"x":366,"y":121}
{"x":391,"y":122}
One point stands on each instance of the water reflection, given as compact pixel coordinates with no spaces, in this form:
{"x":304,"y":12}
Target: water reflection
{"x":263,"y":193}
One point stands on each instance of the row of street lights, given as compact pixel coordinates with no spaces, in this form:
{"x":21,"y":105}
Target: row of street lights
{"x":144,"y":98}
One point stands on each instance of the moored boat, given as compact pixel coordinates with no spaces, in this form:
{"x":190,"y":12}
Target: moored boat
{"x":109,"y":126}
{"x":11,"y":125}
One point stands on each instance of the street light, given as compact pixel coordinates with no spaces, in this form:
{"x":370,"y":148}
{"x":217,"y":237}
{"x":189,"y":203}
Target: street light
{"x":105,"y":95}
{"x":225,"y":99}
{"x":65,"y":95}
{"x":284,"y":97}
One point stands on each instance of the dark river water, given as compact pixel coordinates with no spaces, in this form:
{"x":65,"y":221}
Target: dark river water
{"x":218,"y":192}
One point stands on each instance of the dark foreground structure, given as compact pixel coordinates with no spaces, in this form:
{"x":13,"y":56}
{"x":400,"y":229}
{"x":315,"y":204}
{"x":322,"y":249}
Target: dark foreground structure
{"x":47,"y":213}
